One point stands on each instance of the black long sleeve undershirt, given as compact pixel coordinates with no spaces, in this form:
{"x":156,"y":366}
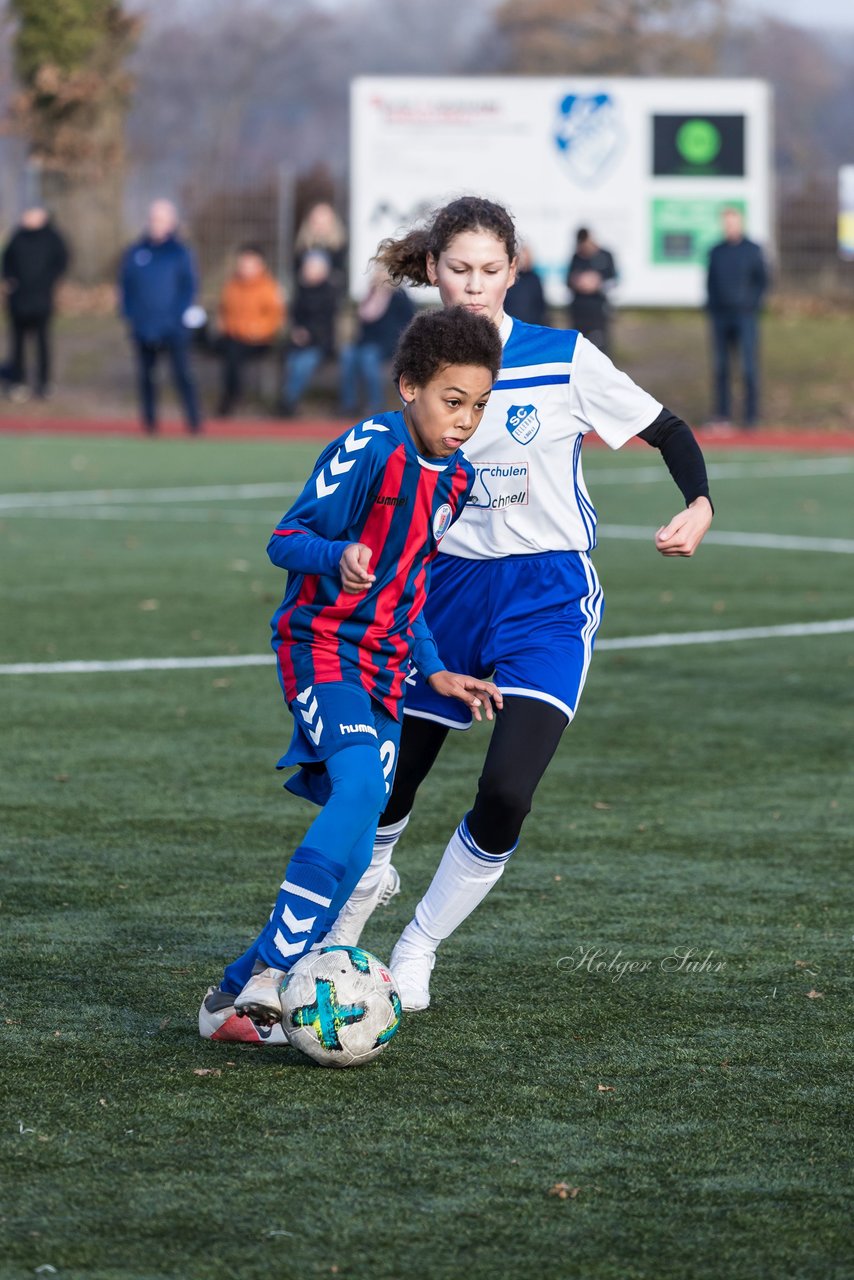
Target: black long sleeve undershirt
{"x":684,"y":458}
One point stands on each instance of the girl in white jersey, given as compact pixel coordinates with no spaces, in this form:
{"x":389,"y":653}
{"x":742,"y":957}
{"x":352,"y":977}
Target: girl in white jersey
{"x":513,"y":589}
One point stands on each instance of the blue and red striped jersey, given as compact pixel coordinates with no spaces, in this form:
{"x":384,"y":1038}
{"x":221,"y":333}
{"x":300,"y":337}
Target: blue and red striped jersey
{"x":371,"y":485}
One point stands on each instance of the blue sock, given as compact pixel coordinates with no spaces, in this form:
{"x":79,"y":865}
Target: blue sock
{"x":303,"y":902}
{"x":357,"y":866}
{"x":238,"y":973}
{"x":324,"y":870}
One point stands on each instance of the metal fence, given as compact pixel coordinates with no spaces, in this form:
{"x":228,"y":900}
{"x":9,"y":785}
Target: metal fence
{"x":218,"y":221}
{"x":808,"y":259}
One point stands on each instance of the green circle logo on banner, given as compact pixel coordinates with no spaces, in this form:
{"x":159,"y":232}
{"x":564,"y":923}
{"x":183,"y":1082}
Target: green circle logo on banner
{"x":698,"y":141}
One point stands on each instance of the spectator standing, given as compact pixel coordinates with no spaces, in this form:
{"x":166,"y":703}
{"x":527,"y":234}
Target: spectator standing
{"x":312,"y":337}
{"x":525,"y":299}
{"x":322,"y":229}
{"x":158,"y":284}
{"x":34,"y":260}
{"x":383,"y":314}
{"x":251,"y":315}
{"x":736,"y":284}
{"x":591,"y":276}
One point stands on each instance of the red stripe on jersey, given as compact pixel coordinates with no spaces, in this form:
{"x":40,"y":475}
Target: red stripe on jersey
{"x":375,"y":531}
{"x":375,"y":534}
{"x":288,"y":533}
{"x":417,"y":605}
{"x":307,"y":592}
{"x":389,"y":598}
{"x":458,"y":487}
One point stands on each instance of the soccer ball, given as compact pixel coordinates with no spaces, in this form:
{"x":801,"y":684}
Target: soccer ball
{"x":340,"y":1006}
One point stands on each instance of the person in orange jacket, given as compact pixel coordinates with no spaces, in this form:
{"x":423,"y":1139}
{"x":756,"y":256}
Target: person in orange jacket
{"x":251,"y":315}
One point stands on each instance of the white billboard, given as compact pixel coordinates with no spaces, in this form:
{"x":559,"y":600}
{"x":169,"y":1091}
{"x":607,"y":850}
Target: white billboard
{"x":645,"y":164}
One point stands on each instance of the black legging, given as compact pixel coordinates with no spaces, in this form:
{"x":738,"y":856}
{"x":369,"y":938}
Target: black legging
{"x":22,"y":328}
{"x":526,"y":734}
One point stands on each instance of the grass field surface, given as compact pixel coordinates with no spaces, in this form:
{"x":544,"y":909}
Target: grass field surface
{"x":695,"y":826}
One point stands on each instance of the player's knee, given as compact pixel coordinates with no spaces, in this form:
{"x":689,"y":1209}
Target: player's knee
{"x":501,"y":807}
{"x":359,"y":786}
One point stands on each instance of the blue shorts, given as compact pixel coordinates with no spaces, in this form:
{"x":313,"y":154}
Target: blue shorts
{"x":529,"y":622}
{"x":328,"y":718}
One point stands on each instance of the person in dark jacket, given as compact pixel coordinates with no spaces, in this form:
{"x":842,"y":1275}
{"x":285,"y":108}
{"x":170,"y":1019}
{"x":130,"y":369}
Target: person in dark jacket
{"x":33,"y":262}
{"x":312,"y":337}
{"x":157,"y":282}
{"x":383,"y":315}
{"x":591,"y":275}
{"x":736,"y":284}
{"x":525,"y":299}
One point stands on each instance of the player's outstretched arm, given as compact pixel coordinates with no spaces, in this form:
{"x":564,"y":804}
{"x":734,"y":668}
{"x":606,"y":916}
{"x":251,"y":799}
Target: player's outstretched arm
{"x":474,"y":693}
{"x":685,"y":462}
{"x":683,"y":535}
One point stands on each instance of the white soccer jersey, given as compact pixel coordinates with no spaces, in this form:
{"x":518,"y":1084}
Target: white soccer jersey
{"x":529,"y":495}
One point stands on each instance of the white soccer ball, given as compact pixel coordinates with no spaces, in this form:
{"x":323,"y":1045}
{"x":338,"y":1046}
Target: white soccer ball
{"x":340,"y":1006}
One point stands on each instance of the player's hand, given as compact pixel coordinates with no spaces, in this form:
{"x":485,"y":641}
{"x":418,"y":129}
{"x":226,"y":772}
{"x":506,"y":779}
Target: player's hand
{"x":474,"y":693}
{"x":353,"y":566}
{"x":686,"y":531}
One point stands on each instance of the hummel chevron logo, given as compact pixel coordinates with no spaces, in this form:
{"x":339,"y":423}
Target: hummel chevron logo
{"x":297,"y":924}
{"x":308,"y":715}
{"x":311,"y":712}
{"x":286,"y":948}
{"x":337,"y":467}
{"x":340,"y":463}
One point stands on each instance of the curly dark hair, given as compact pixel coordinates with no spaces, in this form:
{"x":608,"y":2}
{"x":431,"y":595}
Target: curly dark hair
{"x":406,"y":259}
{"x":435,"y":339}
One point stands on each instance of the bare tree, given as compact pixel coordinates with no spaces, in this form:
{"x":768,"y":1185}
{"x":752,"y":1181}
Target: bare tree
{"x":611,"y":37}
{"x":74,"y":89}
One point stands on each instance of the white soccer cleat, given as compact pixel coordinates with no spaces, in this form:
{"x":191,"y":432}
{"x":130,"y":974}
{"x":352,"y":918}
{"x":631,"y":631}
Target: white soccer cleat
{"x":355,"y":914}
{"x":218,"y":1021}
{"x":261,"y":998}
{"x":411,"y":971}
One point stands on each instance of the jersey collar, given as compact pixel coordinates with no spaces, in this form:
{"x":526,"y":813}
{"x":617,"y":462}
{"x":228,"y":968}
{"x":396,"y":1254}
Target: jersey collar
{"x":504,"y":329}
{"x":429,"y":464}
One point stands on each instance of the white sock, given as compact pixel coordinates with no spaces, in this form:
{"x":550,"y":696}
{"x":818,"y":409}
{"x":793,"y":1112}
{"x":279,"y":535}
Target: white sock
{"x":385,"y":842}
{"x":463,"y":879}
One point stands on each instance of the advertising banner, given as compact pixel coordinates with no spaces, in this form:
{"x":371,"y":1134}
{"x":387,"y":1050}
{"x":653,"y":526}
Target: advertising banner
{"x":647,"y":165}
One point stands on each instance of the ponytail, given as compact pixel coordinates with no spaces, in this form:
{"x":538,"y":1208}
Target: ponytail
{"x":405,"y":259}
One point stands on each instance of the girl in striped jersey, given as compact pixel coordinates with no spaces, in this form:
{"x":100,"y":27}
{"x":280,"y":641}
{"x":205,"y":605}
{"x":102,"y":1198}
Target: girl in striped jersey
{"x":514,"y":591}
{"x":358,"y":546}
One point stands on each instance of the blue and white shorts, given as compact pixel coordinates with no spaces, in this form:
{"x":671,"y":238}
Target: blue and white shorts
{"x":327,"y":719}
{"x":528,"y":622}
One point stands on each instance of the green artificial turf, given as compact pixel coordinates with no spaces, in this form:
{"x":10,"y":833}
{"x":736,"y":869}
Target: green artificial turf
{"x":701,"y":801}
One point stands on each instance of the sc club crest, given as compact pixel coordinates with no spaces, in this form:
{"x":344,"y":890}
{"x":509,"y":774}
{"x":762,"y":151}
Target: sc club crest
{"x":522,"y":422}
{"x":588,"y":133}
{"x":442,"y":521}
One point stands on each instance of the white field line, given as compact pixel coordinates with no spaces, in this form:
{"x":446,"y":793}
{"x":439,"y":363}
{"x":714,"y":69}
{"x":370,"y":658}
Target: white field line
{"x":726,"y":538}
{"x":836,"y":465}
{"x":187,"y":493}
{"x":786,"y":630}
{"x":160,"y":515}
{"x":225,"y":515}
{"x":663,"y":641}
